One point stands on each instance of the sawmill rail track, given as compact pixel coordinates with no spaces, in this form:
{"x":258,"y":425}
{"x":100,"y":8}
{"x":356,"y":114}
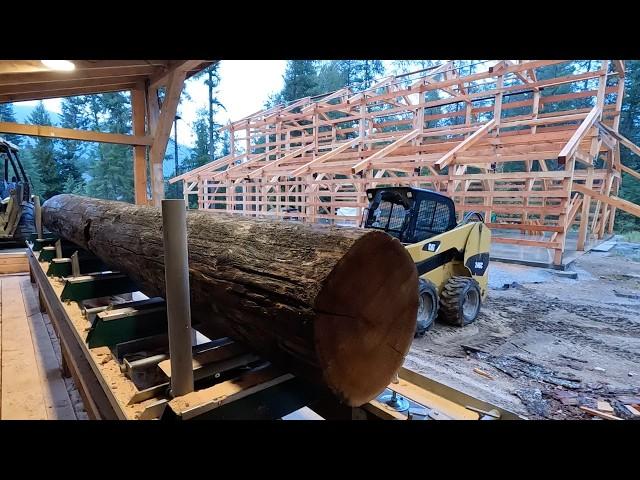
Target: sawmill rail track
{"x":232,"y":382}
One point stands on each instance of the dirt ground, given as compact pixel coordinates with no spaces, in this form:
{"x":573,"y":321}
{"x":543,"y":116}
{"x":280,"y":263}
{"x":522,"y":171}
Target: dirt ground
{"x":550,"y":343}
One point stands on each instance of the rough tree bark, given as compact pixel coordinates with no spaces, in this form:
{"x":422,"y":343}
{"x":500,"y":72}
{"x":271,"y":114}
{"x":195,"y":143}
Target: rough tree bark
{"x":335,"y":305}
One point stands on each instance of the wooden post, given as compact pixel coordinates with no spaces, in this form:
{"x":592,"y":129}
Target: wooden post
{"x":584,"y":214}
{"x":497,"y":107}
{"x":162,"y":128}
{"x":138,"y":110}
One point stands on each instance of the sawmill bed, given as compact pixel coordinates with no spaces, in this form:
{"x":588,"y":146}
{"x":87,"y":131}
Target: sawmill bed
{"x":231,"y":381}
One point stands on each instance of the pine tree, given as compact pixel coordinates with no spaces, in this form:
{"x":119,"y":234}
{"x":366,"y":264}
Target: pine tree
{"x":300,"y":80}
{"x":369,"y":70}
{"x":629,"y":123}
{"x":200,"y":153}
{"x":70,"y":152}
{"x":7,"y":115}
{"x":43,"y":153}
{"x":111,"y":171}
{"x":212,"y":80}
{"x":330,"y":77}
{"x":31,"y":168}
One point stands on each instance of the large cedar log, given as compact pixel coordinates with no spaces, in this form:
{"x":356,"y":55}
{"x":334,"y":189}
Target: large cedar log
{"x":335,"y":305}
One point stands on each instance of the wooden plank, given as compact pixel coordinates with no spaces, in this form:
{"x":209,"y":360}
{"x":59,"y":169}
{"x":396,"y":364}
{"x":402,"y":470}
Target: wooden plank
{"x":176,"y":66}
{"x":306,"y":168}
{"x":67,"y":92}
{"x":630,"y":171}
{"x":201,"y":401}
{"x":622,"y":139}
{"x":22,"y":397}
{"x":290,"y":156}
{"x":119,"y":74}
{"x":56,"y":398}
{"x":582,"y":130}
{"x":596,"y":413}
{"x":432,"y":401}
{"x":632,"y":410}
{"x":13,"y":263}
{"x":138,"y":112}
{"x":64,"y":85}
{"x":386,"y":150}
{"x":462,"y":146}
{"x":72,"y":134}
{"x":525,"y":243}
{"x":161,"y":133}
{"x":612,"y":200}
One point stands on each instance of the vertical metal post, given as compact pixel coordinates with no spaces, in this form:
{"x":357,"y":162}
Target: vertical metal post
{"x":38,"y":213}
{"x":75,"y":265}
{"x":176,"y":272}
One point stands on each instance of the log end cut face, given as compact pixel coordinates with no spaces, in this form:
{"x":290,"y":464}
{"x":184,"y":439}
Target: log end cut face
{"x":366,"y":317}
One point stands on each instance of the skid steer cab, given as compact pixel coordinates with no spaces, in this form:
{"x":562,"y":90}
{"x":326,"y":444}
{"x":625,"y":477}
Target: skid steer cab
{"x":452,"y":258}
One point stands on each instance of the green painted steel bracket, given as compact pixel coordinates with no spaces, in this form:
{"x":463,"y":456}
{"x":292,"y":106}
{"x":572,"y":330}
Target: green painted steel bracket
{"x":61,"y":267}
{"x":47,"y":254}
{"x":120,"y":325}
{"x":97,"y":285}
{"x":38,"y":243}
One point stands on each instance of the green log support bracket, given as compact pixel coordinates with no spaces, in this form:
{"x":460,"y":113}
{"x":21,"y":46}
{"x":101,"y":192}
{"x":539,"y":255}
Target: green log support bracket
{"x":61,"y":267}
{"x":47,"y":254}
{"x":38,"y":243}
{"x":124,"y":324}
{"x":97,"y":285}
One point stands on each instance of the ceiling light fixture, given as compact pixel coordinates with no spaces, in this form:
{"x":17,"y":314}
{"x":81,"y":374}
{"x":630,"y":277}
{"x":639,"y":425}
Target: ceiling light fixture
{"x":58,"y":64}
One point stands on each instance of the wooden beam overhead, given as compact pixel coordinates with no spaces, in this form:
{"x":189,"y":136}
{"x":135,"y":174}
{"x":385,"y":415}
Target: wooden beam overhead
{"x":181,"y":66}
{"x":572,"y":145}
{"x":73,"y":92}
{"x":72,"y":134}
{"x":630,"y":171}
{"x":162,"y":130}
{"x":30,"y":66}
{"x":65,"y":85}
{"x":306,"y":168}
{"x":51,"y":76}
{"x":468,"y":142}
{"x":358,"y":167}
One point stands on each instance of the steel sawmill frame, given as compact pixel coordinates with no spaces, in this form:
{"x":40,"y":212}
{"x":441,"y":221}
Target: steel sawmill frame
{"x":534,"y":172}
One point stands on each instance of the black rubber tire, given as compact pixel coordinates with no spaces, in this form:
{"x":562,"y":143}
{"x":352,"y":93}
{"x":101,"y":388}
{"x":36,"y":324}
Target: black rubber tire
{"x":425,"y":320}
{"x":26,"y":225}
{"x":453,"y":298}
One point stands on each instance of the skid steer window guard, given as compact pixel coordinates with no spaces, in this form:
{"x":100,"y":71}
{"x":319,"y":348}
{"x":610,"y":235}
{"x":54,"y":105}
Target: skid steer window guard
{"x":409,"y":214}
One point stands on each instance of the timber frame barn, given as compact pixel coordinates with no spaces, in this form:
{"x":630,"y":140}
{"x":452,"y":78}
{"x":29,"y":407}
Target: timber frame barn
{"x":505,"y":142}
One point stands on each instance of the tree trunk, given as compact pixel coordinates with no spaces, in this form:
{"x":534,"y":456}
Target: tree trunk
{"x":335,"y":305}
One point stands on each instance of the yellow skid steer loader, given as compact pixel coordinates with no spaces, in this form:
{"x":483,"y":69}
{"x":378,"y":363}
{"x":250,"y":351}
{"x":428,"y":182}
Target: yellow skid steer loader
{"x":452,"y":258}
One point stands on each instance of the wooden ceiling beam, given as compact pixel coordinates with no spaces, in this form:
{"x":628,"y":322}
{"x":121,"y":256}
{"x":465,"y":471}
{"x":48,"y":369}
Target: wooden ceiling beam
{"x":32,"y":66}
{"x":73,"y":134}
{"x":64,"y":85}
{"x":51,"y":76}
{"x":23,"y":97}
{"x":185,"y":67}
